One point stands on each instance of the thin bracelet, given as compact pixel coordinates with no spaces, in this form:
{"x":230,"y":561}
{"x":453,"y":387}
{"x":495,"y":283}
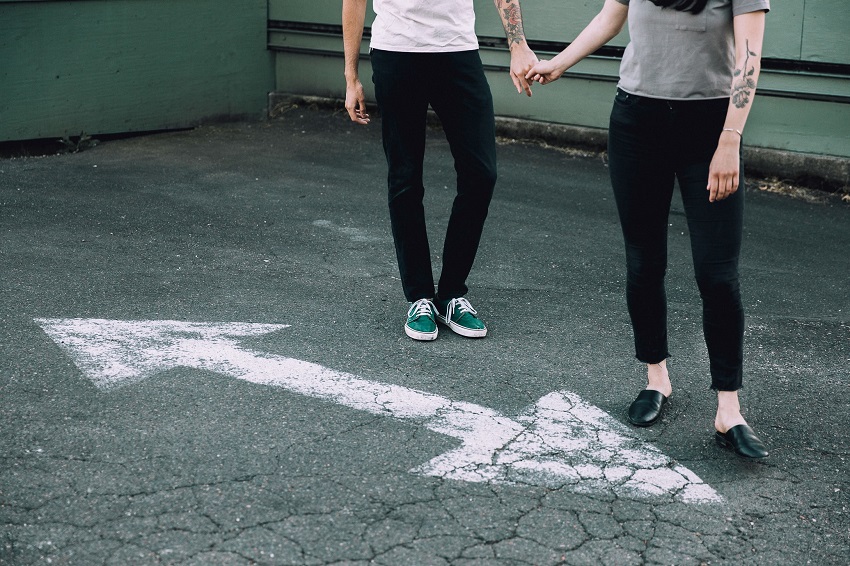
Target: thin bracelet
{"x":734,"y":130}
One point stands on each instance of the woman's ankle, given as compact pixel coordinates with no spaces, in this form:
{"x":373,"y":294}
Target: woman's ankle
{"x":728,"y":411}
{"x":658,"y":379}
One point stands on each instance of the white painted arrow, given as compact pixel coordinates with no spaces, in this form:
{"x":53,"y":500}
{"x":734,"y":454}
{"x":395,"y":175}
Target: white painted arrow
{"x":560,"y":441}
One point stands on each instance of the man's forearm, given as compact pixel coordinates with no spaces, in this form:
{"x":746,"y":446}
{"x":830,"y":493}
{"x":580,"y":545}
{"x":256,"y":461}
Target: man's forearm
{"x":353,"y":18}
{"x":511,"y":14}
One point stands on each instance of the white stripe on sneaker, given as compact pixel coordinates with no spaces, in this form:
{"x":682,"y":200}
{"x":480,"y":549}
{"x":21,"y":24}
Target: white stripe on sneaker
{"x":420,"y":308}
{"x":461,"y":306}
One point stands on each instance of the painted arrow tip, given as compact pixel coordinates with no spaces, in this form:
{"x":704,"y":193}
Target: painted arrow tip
{"x":118,"y":352}
{"x":567,"y":442}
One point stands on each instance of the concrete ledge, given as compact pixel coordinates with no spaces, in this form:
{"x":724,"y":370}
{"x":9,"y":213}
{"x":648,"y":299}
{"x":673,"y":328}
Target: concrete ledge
{"x":823,"y":172}
{"x":562,"y":135}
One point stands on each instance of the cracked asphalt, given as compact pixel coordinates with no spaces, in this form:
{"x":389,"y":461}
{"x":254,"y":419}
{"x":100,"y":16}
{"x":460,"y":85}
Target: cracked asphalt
{"x":285,"y":222}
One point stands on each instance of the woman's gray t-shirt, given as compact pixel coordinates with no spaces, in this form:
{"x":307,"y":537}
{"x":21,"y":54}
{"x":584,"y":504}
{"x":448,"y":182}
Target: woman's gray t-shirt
{"x":679,"y":55}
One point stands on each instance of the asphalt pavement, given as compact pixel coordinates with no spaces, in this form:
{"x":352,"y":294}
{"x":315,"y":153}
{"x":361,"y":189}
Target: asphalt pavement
{"x":139,"y":425}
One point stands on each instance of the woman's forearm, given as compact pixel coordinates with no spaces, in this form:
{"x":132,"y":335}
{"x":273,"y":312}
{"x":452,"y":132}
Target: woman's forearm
{"x":601,"y":29}
{"x":749,"y":35}
{"x":724,"y":172}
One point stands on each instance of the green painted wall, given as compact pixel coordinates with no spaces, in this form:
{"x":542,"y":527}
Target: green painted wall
{"x":109,"y":66}
{"x":799,"y":111}
{"x":825,"y":24}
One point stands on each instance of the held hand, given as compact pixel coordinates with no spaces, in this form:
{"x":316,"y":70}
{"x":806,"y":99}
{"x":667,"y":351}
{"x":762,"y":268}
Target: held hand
{"x":723,"y":173}
{"x":544,"y":72}
{"x":355,"y":102}
{"x":522,"y":59}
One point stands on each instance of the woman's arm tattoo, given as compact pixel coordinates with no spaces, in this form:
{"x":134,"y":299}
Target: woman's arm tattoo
{"x":511,"y":20}
{"x":744,"y":83}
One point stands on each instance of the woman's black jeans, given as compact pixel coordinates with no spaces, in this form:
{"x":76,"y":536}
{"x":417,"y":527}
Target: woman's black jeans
{"x":456,"y":88}
{"x":651,"y":143}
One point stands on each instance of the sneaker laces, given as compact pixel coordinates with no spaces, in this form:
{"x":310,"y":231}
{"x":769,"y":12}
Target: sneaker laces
{"x":461,"y":305}
{"x":422,"y":307}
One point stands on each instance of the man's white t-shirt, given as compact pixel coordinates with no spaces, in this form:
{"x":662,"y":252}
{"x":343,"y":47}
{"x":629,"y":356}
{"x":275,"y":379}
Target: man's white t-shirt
{"x":424,"y":26}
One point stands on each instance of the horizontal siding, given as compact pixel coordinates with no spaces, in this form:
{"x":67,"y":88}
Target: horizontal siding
{"x":797,"y":30}
{"x":544,"y":21}
{"x":796,"y":111}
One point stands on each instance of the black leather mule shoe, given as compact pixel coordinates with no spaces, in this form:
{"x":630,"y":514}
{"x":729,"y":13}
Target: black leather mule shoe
{"x":743,"y":441}
{"x":646,"y":409}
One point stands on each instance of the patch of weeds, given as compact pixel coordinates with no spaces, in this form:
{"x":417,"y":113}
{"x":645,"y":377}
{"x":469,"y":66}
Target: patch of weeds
{"x":281,"y":109}
{"x":571,"y":151}
{"x":789,"y":189}
{"x":76,"y":144}
{"x":287,"y":105}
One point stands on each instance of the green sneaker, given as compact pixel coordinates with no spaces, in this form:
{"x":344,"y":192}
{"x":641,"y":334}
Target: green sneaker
{"x":420,"y":323}
{"x":459,"y":315}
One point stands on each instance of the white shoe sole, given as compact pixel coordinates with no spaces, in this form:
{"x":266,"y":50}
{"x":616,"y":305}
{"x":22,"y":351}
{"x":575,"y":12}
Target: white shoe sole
{"x":458,"y":329}
{"x":422,"y":336}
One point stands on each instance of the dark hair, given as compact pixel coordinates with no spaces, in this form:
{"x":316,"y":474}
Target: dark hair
{"x":692,"y":6}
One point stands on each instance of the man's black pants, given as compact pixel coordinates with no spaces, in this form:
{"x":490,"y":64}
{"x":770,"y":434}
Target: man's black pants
{"x":455,"y":86}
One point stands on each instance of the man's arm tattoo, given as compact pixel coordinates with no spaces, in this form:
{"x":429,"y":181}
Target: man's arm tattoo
{"x":744,"y":84}
{"x":512,"y":20}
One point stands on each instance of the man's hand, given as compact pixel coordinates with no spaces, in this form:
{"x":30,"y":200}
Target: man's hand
{"x":355,"y":102}
{"x":522,"y":60}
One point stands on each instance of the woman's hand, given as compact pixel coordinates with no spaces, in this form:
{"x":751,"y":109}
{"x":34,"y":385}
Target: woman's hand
{"x":544,"y":72}
{"x":724,"y":171}
{"x":601,"y":29}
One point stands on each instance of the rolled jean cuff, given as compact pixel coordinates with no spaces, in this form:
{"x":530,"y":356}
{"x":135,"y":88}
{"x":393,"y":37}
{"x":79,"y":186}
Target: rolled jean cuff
{"x":652,"y":357}
{"x":716,"y":388}
{"x":727,"y":384}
